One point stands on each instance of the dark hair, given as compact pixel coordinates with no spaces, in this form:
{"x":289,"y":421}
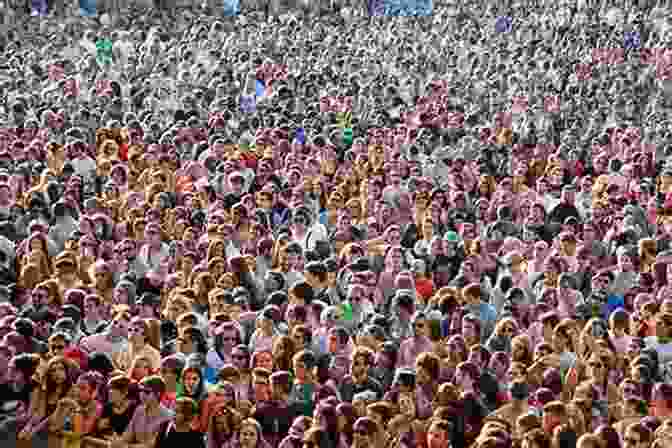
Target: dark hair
{"x":303,"y":291}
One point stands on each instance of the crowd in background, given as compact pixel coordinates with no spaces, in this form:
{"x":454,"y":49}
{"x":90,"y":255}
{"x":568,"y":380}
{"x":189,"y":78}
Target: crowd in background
{"x":328,"y":229}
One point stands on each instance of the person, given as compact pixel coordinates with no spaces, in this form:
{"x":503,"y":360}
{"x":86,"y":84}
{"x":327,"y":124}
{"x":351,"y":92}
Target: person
{"x":118,"y":412}
{"x":180,"y":429}
{"x":358,"y":165}
{"x":148,"y":416}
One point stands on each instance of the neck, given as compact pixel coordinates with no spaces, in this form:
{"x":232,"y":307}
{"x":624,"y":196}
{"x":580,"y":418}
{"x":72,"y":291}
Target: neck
{"x":138,"y":345}
{"x":518,"y":404}
{"x":182,"y":427}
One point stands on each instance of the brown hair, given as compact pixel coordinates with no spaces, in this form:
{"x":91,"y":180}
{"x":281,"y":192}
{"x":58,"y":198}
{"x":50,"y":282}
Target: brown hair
{"x":537,"y":437}
{"x":120,"y":383}
{"x":283,"y":362}
{"x":430,"y":362}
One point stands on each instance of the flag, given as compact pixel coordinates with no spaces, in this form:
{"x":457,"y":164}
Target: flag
{"x":520,"y":104}
{"x":104,"y":51}
{"x":344,"y":119}
{"x":584,"y":72}
{"x":231,"y":8}
{"x":259,"y":88}
{"x":503,"y":24}
{"x":103,"y":87}
{"x":552,"y":104}
{"x":87,"y":8}
{"x":454,"y":120}
{"x":300,"y":136}
{"x":55,"y":72}
{"x":71,"y":88}
{"x":347,"y":136}
{"x":325,"y":104}
{"x":248,"y":104}
{"x":631,"y":40}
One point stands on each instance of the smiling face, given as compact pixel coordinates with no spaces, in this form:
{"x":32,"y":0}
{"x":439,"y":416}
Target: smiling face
{"x":190,"y":381}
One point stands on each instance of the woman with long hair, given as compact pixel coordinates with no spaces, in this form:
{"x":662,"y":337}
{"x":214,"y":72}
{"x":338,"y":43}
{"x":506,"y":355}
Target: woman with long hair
{"x":222,"y":426}
{"x":54,"y":385}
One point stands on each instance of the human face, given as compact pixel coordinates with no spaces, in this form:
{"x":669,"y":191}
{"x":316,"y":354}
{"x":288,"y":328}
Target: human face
{"x":361,"y":439}
{"x":633,"y":439}
{"x":359,"y":367}
{"x":248,"y":436}
{"x":229,"y":339}
{"x":120,"y":326}
{"x":191,"y":380}
{"x":136,"y":331}
{"x":240,"y":359}
{"x":57,"y":346}
{"x":264,"y":360}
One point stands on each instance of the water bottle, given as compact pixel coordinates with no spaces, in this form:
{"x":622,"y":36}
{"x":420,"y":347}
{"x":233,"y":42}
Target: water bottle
{"x":67,"y":424}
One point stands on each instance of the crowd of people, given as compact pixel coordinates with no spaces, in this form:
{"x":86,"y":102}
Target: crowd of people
{"x":276,"y":231}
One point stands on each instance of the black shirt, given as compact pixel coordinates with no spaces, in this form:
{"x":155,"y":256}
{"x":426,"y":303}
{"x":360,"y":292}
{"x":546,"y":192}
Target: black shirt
{"x":170,"y":438}
{"x":348,"y":388}
{"x":118,"y":422}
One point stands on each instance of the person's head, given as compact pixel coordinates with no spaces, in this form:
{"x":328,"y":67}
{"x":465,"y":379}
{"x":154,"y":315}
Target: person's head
{"x":303,"y":362}
{"x":637,"y":436}
{"x":364,"y":432}
{"x":88,"y":386}
{"x":58,"y":343}
{"x":250,"y":433}
{"x":263,"y":359}
{"x":315,"y":437}
{"x":118,"y":389}
{"x":171,"y":368}
{"x":191,"y":340}
{"x":438,"y":434}
{"x":535,"y":438}
{"x":120,"y":322}
{"x":21,"y":369}
{"x":362,"y":360}
{"x":192,"y":379}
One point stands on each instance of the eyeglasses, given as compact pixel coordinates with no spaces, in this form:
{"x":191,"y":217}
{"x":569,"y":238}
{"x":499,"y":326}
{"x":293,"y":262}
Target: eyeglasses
{"x":506,"y":330}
